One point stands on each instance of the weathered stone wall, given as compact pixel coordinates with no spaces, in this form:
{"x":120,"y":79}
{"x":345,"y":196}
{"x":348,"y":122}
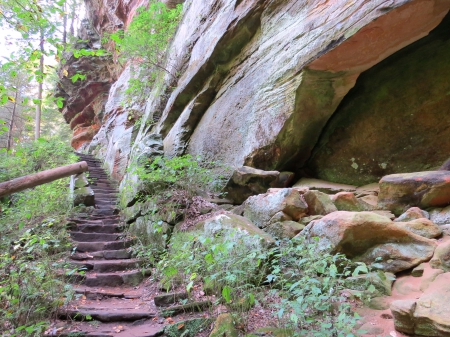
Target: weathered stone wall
{"x":259,"y":79}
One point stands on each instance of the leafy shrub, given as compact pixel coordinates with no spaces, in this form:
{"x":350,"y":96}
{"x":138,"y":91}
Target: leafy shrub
{"x":310,"y":283}
{"x":31,"y":242}
{"x":224,"y":263}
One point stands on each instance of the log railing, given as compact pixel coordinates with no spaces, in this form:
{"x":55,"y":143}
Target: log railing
{"x":32,"y":180}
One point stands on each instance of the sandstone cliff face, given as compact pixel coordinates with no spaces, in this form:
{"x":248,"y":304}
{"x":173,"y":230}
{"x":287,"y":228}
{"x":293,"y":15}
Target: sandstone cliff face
{"x":260,"y":80}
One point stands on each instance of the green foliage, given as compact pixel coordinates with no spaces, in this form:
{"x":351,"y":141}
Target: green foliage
{"x":224,"y":263}
{"x":167,"y":187}
{"x":146,"y":42}
{"x":32,"y":242}
{"x":184,"y":173}
{"x":310,"y":283}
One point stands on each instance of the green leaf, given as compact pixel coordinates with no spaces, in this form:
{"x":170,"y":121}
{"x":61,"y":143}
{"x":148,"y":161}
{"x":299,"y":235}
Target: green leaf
{"x":226,"y":294}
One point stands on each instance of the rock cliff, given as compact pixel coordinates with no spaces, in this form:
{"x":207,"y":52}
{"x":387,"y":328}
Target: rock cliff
{"x":269,"y":84}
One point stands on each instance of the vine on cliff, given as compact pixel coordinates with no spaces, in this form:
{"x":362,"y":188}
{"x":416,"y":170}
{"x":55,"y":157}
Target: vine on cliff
{"x":145,"y":44}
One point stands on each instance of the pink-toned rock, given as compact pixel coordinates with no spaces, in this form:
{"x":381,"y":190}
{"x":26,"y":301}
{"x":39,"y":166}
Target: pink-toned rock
{"x":429,"y":315}
{"x":371,"y":238}
{"x":422,"y":227}
{"x":412,"y":214}
{"x":261,"y":208}
{"x":441,"y":258}
{"x":319,"y":203}
{"x":422,"y":189}
{"x":346,"y":201}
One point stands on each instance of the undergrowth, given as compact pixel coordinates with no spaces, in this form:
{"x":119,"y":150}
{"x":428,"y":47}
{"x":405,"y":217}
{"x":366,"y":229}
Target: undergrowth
{"x":308,"y":283}
{"x":166,"y":193}
{"x":33,"y":238}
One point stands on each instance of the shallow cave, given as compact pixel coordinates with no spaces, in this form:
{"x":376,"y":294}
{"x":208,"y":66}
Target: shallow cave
{"x":395,"y":119}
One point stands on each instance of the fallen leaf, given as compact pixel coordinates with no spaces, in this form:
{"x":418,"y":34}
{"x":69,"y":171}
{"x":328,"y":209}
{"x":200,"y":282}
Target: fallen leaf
{"x":181,"y":326}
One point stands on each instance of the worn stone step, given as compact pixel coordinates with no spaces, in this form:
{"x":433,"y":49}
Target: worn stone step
{"x":145,"y":328}
{"x":111,"y":315}
{"x":112,"y":279}
{"x":94,"y":237}
{"x":96,"y":228}
{"x":86,"y":247}
{"x":107,"y":292}
{"x":107,"y":266}
{"x":109,"y":211}
{"x":103,"y":254}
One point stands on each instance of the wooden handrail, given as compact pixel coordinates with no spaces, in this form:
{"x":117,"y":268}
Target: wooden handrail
{"x":43,"y":177}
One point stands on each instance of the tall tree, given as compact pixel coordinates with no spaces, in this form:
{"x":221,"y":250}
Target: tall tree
{"x":41,"y":28}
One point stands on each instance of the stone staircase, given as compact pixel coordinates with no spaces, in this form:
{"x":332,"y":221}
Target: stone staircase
{"x":111,"y":298}
{"x":107,"y":276}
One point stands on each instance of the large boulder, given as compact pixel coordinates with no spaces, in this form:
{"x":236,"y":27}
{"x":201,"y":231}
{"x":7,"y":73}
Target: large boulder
{"x":247,"y":181}
{"x":422,"y":189}
{"x":429,"y":315}
{"x":370,"y":238}
{"x":261,"y":208}
{"x":237,"y":227}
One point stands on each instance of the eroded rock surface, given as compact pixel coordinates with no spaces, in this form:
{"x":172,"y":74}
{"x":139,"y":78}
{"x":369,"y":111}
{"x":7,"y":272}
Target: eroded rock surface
{"x":430,"y":314}
{"x":371,"y":238}
{"x":423,"y":189}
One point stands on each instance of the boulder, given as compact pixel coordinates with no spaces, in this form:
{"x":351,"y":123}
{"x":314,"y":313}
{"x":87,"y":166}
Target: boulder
{"x":347,"y":201}
{"x":284,"y":229}
{"x":370,"y":238}
{"x":369,"y":202}
{"x":278,"y":217}
{"x":225,"y":224}
{"x":307,"y":219}
{"x":324,"y":186}
{"x":403,"y":311}
{"x":440,"y":216}
{"x":151,"y":232}
{"x":429,"y":315}
{"x":412,"y":214}
{"x":319,"y":203}
{"x":259,"y":209}
{"x":441,"y":258}
{"x":83,"y":196}
{"x":422,"y":227}
{"x":422,"y":189}
{"x":247,"y":181}
{"x":369,"y":189}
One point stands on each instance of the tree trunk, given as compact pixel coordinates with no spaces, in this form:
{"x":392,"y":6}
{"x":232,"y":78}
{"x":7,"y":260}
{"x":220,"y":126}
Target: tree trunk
{"x":11,"y":124}
{"x":32,"y":180}
{"x":37,"y":128}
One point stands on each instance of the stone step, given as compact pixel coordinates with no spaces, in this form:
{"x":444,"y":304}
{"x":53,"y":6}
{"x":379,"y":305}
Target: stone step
{"x":147,"y":328}
{"x":87,"y":247}
{"x":94,"y":237}
{"x":103,"y":255}
{"x":107,"y":292}
{"x":106,"y":195}
{"x":112,"y":279}
{"x":107,"y":266}
{"x":110,"y":211}
{"x":97,"y":228}
{"x":106,"y":314}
